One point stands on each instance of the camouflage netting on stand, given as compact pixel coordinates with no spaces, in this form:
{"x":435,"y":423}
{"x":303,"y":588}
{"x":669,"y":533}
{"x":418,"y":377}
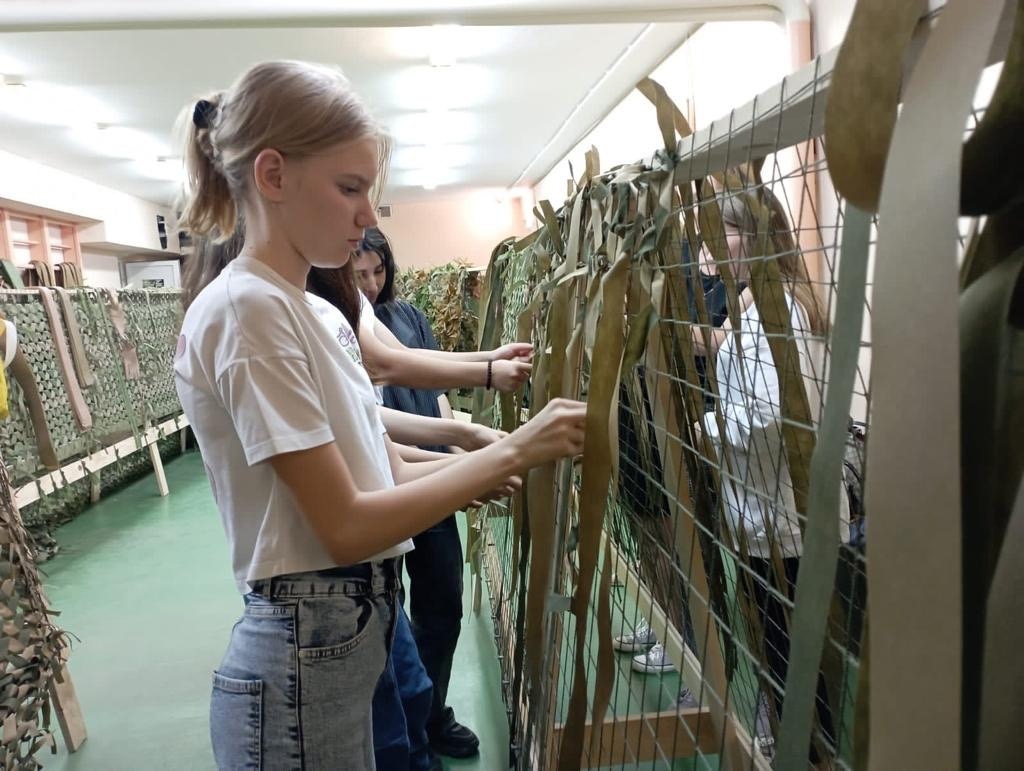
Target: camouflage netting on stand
{"x":448,"y":295}
{"x":119,"y":405}
{"x":122,"y":402}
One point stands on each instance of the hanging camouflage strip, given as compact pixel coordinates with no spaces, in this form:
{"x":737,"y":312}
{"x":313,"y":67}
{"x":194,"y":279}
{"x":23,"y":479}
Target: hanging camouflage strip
{"x":32,"y":648}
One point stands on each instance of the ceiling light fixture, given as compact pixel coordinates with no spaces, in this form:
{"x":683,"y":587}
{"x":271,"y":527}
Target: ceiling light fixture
{"x":120,"y":142}
{"x":50,"y":104}
{"x":442,"y":44}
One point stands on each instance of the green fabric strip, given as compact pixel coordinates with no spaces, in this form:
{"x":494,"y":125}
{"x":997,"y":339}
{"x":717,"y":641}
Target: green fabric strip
{"x":821,"y":538}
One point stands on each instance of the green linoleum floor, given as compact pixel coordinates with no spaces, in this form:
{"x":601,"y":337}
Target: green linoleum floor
{"x":145,"y":585}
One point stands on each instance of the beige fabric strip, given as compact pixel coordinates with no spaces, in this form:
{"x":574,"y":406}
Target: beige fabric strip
{"x":86,"y":377}
{"x":913,"y":475}
{"x":67,"y":367}
{"x":129,"y":355}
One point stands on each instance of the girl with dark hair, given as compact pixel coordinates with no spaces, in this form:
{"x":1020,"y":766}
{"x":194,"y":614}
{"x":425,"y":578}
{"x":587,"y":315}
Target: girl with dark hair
{"x":435,"y":567}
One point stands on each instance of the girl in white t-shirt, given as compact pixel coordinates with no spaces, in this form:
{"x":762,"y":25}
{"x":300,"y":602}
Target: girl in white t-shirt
{"x":757,"y":488}
{"x":316,"y":503}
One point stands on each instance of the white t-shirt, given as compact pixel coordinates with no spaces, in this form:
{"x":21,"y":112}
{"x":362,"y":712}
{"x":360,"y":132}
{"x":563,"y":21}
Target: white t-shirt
{"x":756,"y":483}
{"x":259,"y":375}
{"x":338,"y":325}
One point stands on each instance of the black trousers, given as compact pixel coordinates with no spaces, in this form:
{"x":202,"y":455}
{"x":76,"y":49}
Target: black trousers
{"x":767,"y":596}
{"x":435,"y":606}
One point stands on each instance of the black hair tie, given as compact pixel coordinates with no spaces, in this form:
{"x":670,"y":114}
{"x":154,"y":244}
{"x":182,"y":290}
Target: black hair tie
{"x":203,"y":113}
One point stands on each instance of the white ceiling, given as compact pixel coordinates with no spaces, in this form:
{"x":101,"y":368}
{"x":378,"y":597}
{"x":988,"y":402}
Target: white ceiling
{"x":516,"y":101}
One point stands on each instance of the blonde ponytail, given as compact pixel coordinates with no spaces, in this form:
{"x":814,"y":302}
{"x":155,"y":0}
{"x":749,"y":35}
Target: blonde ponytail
{"x":208,"y":208}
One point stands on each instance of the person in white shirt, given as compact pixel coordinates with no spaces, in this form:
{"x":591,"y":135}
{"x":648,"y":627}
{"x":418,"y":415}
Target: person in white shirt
{"x":756,"y":486}
{"x":315,"y":502}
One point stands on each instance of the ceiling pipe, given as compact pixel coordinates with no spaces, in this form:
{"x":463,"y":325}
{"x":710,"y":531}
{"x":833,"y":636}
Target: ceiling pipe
{"x":56,"y":15}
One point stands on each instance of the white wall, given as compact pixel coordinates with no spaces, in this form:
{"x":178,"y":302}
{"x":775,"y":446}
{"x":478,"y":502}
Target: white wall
{"x":721,"y":66}
{"x":829,"y":20}
{"x":440,"y":229}
{"x":100,"y":270}
{"x":122,"y":219}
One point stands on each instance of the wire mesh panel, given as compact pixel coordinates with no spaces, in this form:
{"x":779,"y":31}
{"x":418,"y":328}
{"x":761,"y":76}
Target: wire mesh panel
{"x":645,"y":596}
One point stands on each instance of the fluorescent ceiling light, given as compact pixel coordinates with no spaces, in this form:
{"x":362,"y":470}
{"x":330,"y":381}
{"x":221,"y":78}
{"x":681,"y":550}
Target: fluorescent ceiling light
{"x":163,"y":167}
{"x":50,"y":104}
{"x":436,"y":127}
{"x":427,"y":178}
{"x":453,"y":88}
{"x":120,"y":142}
{"x":443,"y":44}
{"x":432,"y":156}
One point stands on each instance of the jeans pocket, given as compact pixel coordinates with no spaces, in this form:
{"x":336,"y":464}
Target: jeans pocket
{"x":236,"y":723}
{"x":332,"y":627}
{"x":341,"y":654}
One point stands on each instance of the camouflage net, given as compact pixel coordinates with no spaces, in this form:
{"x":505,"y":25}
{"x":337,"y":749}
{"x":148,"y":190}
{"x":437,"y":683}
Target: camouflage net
{"x":31,"y":646}
{"x":449,"y":296}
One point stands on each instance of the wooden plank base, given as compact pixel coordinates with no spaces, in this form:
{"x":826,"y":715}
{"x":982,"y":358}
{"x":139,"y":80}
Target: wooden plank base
{"x":654,"y":736}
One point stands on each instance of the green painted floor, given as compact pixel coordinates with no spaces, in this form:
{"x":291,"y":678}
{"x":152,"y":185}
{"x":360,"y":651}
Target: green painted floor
{"x":144,"y":584}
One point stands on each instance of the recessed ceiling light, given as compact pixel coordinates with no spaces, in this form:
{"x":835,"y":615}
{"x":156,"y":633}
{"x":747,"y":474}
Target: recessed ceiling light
{"x":12,"y":81}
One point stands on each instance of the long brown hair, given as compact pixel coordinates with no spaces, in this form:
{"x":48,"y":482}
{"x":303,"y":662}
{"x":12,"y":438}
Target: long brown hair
{"x":737,"y":209}
{"x":338,"y":287}
{"x":297,"y":108}
{"x":207,"y":260}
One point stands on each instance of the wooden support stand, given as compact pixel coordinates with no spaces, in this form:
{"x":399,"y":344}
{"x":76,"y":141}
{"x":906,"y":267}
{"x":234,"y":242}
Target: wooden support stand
{"x":158,"y":468}
{"x":651,"y":737}
{"x":69,"y":711}
{"x":79,"y":469}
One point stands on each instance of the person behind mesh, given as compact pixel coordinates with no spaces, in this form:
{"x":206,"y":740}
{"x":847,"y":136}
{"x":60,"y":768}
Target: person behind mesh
{"x":640,"y":490}
{"x":757,"y":490}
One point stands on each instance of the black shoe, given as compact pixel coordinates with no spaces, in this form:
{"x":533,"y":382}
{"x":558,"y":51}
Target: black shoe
{"x":436,"y":764}
{"x":453,"y":739}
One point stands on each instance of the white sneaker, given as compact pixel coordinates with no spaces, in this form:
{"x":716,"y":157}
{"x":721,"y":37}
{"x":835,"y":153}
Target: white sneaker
{"x":653,"y":662}
{"x":640,"y":639}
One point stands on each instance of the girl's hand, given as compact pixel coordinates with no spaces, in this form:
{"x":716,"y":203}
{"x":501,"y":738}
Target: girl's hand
{"x":555,"y":432}
{"x":510,"y":486}
{"x":476,"y":436}
{"x":513,"y":352}
{"x":509,"y":375}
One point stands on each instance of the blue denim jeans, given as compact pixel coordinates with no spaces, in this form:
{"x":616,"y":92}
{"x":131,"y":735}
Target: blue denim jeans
{"x":435,"y":606}
{"x":295,"y":687}
{"x":401,"y":706}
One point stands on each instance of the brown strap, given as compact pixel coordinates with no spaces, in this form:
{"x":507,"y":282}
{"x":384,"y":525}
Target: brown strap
{"x":86,"y":377}
{"x":129,"y":355}
{"x":541,"y":490}
{"x":862,"y":107}
{"x":67,"y":367}
{"x":21,"y":370}
{"x":44,"y":273}
{"x":72,"y":277}
{"x":605,"y":365}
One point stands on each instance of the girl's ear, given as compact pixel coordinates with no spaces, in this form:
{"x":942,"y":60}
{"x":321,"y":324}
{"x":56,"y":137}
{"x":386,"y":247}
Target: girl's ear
{"x":268,"y":175}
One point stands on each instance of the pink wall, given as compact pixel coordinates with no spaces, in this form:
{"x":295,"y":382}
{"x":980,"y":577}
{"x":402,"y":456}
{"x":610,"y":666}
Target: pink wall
{"x":440,"y":229}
